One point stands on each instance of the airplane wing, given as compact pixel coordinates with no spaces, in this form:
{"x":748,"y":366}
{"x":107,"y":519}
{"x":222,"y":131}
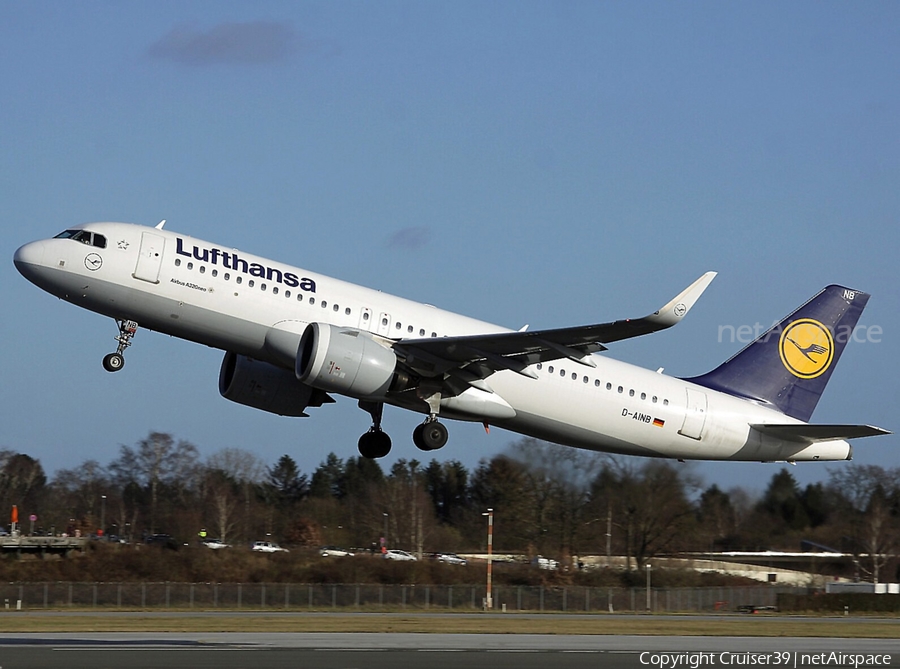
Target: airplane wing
{"x":815,"y":433}
{"x":470,"y":359}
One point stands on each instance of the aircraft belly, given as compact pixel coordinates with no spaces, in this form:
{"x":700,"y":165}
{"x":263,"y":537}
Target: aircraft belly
{"x":550,"y":429}
{"x":218,"y":330}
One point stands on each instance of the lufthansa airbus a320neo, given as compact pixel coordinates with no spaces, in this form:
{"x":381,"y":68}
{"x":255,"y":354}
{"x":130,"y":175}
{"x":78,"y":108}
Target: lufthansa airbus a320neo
{"x":293,"y":338}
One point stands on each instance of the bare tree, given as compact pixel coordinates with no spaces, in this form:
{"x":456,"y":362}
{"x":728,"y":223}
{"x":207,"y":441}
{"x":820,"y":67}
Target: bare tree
{"x":221,"y":499}
{"x":649,"y":503}
{"x":81,"y":489}
{"x":247,"y":470}
{"x":871,"y":494}
{"x":157,"y":460}
{"x":239,"y":464}
{"x":557,"y":485}
{"x":411,"y":516}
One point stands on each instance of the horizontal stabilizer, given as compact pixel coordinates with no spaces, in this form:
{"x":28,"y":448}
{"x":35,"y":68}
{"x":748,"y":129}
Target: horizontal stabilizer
{"x":813,"y":433}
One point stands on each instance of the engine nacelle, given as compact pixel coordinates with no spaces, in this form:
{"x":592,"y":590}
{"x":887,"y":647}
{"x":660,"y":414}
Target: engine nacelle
{"x":345,"y":360}
{"x":264,"y":386}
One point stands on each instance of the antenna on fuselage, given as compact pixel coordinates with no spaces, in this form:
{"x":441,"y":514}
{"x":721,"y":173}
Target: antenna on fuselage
{"x":159,"y":226}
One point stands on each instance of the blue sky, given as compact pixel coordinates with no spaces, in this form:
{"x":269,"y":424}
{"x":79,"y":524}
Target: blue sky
{"x":549,"y":163}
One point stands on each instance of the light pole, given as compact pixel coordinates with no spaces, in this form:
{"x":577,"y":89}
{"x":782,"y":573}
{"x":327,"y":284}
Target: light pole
{"x":608,"y":533}
{"x":649,"y":602}
{"x":489,"y":601}
{"x":384,"y":538}
{"x":103,"y":515}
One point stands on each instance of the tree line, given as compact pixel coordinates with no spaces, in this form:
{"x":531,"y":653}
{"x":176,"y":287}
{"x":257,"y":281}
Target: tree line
{"x":547,"y":499}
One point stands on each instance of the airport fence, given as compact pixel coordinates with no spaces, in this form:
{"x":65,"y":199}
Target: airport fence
{"x":318,"y":597}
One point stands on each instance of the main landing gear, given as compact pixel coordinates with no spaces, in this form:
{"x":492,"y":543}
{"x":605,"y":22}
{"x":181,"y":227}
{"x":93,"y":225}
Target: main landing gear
{"x":113,"y":362}
{"x":375,"y":443}
{"x":429,"y":436}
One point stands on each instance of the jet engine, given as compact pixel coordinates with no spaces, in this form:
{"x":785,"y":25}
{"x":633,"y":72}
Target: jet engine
{"x":262,"y":385}
{"x":346,"y":361}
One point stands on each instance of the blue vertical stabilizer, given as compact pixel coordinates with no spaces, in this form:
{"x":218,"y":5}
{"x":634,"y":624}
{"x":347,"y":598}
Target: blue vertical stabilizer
{"x":788,"y":366}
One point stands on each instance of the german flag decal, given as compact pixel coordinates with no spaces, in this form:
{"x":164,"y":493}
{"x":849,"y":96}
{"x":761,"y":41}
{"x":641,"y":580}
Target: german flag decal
{"x":658,"y":422}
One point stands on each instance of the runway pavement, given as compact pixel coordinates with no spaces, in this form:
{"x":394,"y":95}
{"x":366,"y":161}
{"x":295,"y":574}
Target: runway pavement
{"x":434,"y":651}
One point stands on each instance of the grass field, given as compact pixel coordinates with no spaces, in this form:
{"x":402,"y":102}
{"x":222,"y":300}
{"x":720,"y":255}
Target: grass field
{"x":680,"y":625}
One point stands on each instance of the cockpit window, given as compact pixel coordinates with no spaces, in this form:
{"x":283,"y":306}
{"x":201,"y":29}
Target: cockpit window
{"x":82,"y":236}
{"x":85,"y":237}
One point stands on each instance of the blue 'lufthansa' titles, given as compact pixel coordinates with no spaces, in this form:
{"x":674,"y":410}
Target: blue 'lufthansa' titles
{"x":231,"y":260}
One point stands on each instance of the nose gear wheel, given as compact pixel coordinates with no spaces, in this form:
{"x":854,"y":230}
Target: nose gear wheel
{"x":113,"y":362}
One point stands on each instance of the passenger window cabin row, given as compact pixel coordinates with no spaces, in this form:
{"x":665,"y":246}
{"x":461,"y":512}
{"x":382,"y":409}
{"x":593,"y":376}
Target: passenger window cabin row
{"x":300,"y":297}
{"x":609,"y":386}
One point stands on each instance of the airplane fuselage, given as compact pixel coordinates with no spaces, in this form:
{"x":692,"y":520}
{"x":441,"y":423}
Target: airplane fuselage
{"x":255,"y":307}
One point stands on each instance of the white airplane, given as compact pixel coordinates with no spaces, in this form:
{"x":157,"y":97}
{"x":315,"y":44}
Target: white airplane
{"x":292,"y":336}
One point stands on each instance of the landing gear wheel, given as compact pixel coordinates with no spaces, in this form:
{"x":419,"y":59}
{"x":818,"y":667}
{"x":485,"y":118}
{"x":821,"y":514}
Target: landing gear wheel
{"x":374,"y":444}
{"x":116,"y":361}
{"x":430,"y":435}
{"x":113,"y":362}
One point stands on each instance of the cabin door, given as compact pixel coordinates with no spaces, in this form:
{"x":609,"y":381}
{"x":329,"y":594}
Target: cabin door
{"x":695,"y":415}
{"x":150,"y":257}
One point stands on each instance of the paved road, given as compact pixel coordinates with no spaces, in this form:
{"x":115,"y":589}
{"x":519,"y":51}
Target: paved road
{"x":432,"y":651}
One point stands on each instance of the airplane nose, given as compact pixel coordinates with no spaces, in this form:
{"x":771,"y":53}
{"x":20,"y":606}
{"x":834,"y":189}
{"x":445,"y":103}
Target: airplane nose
{"x":28,"y":257}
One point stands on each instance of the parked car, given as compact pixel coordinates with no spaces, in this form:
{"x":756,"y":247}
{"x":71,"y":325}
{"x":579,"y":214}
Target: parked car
{"x":450,"y":558}
{"x":334,"y":551}
{"x":545,"y":563}
{"x":267,"y":547}
{"x":394,"y":554}
{"x":164,"y":540}
{"x":215,"y":544}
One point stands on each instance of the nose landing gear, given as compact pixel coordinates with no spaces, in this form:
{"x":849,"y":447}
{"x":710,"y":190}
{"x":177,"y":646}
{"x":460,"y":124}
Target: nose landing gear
{"x":113,"y":362}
